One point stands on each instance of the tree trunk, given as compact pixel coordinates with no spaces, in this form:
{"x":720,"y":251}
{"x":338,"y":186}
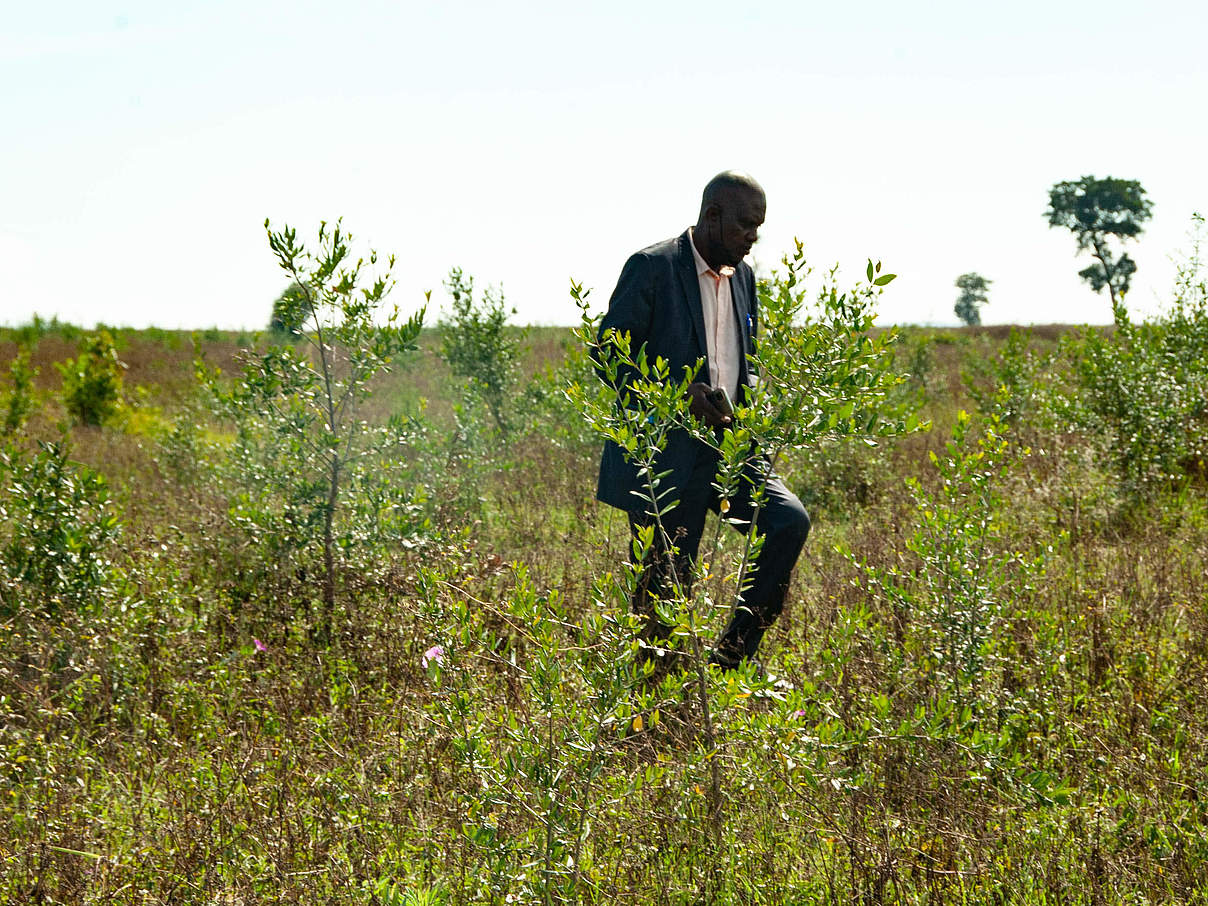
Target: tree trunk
{"x":1101,"y":254}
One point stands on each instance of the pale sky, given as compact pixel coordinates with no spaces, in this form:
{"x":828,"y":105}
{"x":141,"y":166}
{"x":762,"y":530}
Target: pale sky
{"x":143,"y":144}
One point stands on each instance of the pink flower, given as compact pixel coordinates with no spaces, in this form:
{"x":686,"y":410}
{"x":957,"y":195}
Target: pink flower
{"x":433,"y":655}
{"x":260,"y":646}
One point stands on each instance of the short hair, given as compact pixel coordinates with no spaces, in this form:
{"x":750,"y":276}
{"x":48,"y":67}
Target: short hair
{"x":725,"y":183}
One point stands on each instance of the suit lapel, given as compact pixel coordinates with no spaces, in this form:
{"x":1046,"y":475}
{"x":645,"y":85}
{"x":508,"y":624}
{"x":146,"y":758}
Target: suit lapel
{"x":742,"y":310}
{"x":691,"y":287}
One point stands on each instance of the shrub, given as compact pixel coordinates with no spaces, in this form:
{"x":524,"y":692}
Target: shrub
{"x":289,"y":311}
{"x":1143,"y":391}
{"x":476,"y":343}
{"x":950,"y":599}
{"x":552,"y":413}
{"x":29,"y":334}
{"x":538,"y":785}
{"x":1013,"y":384}
{"x":58,"y":525}
{"x":92,"y":382}
{"x":21,"y":397}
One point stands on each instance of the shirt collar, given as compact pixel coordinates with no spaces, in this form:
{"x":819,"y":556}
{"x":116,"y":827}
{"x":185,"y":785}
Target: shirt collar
{"x":702,"y":266}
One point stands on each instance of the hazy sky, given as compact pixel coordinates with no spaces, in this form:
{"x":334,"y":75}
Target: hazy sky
{"x":142,"y":144}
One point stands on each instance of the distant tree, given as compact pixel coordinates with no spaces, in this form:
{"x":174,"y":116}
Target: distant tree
{"x":973,"y":287}
{"x":290,"y":311}
{"x":1093,"y":210}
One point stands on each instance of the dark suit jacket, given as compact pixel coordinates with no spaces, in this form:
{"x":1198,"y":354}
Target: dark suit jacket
{"x":657,"y":302}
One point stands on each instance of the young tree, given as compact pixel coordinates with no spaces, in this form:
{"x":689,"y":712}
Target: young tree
{"x":302,"y":442}
{"x":1094,"y":210}
{"x":973,"y":287}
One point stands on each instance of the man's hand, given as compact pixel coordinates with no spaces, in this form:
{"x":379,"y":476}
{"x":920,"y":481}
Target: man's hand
{"x":702,"y":407}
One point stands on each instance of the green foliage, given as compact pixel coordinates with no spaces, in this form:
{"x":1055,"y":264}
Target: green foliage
{"x":478,"y":346}
{"x":838,"y":477}
{"x":290,"y":312}
{"x":1142,"y":389}
{"x":38,"y":327}
{"x":58,"y":529}
{"x":1187,"y":317}
{"x":996,"y":688}
{"x":551,"y":414}
{"x":822,"y":376}
{"x":302,"y":446}
{"x":1094,"y":210}
{"x":824,"y":373}
{"x":21,"y":395}
{"x":538,"y":785}
{"x":917,"y":360}
{"x":973,"y":287}
{"x":1013,"y":384}
{"x":92,"y":382}
{"x":951,"y":599}
{"x":825,"y":359}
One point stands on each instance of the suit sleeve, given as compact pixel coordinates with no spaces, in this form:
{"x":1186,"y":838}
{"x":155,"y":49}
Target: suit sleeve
{"x":631,"y":307}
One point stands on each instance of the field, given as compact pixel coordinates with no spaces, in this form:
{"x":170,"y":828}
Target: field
{"x":995,"y":646}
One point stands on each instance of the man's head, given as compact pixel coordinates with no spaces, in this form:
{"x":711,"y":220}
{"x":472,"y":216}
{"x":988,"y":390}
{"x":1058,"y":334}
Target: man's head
{"x":732,"y":209}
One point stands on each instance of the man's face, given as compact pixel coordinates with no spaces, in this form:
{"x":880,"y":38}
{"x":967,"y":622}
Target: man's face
{"x":740,"y":215}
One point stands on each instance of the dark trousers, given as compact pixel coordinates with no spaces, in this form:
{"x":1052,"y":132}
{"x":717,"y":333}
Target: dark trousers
{"x":782,"y":521}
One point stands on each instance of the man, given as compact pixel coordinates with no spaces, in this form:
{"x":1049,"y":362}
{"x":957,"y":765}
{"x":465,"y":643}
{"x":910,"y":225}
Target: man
{"x":685,"y":299}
